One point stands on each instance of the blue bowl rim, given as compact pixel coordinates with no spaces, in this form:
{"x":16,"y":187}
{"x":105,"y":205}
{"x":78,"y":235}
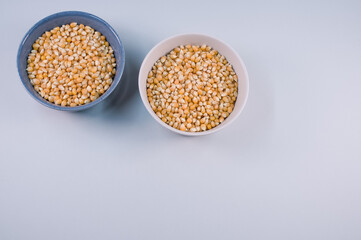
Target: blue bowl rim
{"x":120,"y":66}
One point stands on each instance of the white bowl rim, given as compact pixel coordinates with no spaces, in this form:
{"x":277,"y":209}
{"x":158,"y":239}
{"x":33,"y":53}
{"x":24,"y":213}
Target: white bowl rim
{"x":144,"y":97}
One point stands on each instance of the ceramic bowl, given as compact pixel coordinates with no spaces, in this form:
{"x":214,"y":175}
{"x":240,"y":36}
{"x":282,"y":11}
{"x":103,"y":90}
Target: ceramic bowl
{"x":231,"y":55}
{"x":59,"y":19}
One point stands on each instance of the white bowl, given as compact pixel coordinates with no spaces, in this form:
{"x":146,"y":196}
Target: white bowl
{"x":224,"y":49}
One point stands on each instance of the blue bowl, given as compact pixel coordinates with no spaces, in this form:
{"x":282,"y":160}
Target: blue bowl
{"x":59,"y":19}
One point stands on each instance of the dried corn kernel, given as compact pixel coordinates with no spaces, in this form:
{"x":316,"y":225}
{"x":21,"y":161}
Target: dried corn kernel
{"x":71,"y":65}
{"x":192,"y":88}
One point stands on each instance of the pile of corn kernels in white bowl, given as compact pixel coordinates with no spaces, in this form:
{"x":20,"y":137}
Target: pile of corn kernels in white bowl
{"x":192,"y":88}
{"x":71,"y":65}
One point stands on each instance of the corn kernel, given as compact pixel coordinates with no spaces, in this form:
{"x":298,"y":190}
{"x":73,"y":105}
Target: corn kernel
{"x":199,"y":91}
{"x":69,"y":66}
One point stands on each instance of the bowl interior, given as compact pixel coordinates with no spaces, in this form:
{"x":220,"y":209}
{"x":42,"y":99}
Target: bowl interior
{"x":59,"y":19}
{"x":196,"y":39}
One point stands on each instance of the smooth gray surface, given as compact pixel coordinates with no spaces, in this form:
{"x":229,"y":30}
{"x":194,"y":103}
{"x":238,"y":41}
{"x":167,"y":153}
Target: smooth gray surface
{"x":287,"y":168}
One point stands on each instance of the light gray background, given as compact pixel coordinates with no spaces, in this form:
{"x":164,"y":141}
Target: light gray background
{"x":288,"y":168}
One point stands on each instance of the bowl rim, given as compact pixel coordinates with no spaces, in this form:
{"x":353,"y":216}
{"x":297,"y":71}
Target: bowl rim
{"x":145,"y":101}
{"x":120,"y":65}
